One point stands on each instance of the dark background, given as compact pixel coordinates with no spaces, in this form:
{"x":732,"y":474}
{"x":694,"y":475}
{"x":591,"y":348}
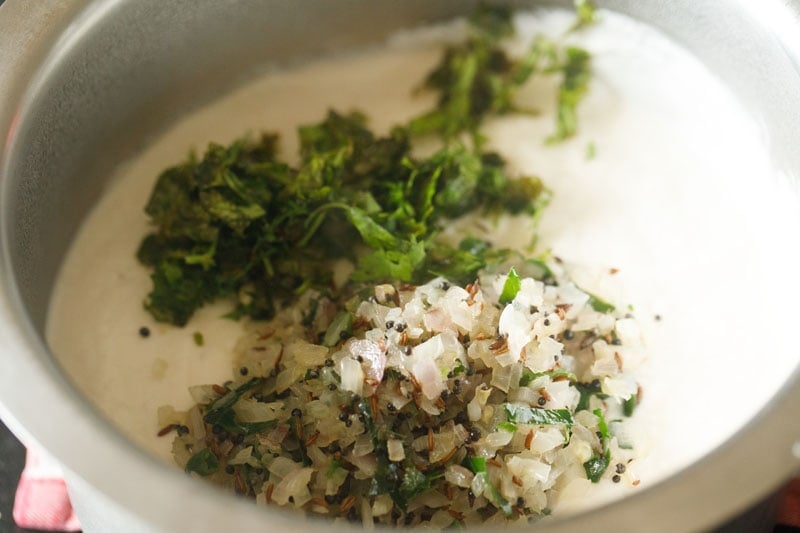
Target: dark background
{"x":12,"y":458}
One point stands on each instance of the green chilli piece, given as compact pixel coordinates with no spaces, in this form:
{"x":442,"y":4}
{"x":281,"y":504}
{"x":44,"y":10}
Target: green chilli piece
{"x":598,"y":464}
{"x":478,"y":466}
{"x":510,"y":287}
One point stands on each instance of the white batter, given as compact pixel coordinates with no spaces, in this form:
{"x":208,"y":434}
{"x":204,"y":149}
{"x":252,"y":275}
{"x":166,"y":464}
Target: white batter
{"x":680,"y":197}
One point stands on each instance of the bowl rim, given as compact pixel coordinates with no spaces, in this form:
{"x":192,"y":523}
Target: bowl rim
{"x":721,"y":483}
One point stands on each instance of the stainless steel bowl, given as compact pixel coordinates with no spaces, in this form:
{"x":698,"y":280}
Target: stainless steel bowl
{"x":84,"y":84}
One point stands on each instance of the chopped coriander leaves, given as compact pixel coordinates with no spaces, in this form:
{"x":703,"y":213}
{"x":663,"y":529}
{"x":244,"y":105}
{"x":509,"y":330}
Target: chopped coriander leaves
{"x":413,"y":484}
{"x":602,"y":426}
{"x":203,"y":462}
{"x":597,"y":465}
{"x":241,"y":224}
{"x":587,"y":390}
{"x":510,"y":427}
{"x":220,"y":412}
{"x":238,"y":223}
{"x":586,"y":13}
{"x":478,"y":78}
{"x":576,"y":75}
{"x":332,"y":468}
{"x":600,"y":305}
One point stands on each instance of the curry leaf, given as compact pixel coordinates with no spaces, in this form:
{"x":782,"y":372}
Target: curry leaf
{"x":529,"y":415}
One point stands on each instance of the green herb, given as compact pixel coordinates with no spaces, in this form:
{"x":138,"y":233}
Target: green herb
{"x":203,"y":462}
{"x":510,"y":427}
{"x":586,"y":15}
{"x":478,"y":78}
{"x":473,"y":79}
{"x":587,"y":390}
{"x":576,"y":70}
{"x":591,"y":151}
{"x":602,"y":426}
{"x":239,"y":223}
{"x":540,"y":269}
{"x":412,"y":485}
{"x":221,"y":413}
{"x":530,"y":415}
{"x":478,"y":466}
{"x":510,"y":287}
{"x":528,"y":376}
{"x":332,"y":468}
{"x":597,"y":465}
{"x":340,"y":328}
{"x":599,"y":305}
{"x":198,"y":338}
{"x":461,"y":265}
{"x":629,"y":405}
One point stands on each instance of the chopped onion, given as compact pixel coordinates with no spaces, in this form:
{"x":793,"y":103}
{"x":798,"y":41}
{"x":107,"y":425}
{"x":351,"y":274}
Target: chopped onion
{"x":498,"y":439}
{"x":373,"y":359}
{"x":252,"y":411}
{"x":306,"y":354}
{"x":244,"y":456}
{"x":515,"y":324}
{"x":294,"y":485}
{"x":395,"y":449}
{"x":283,"y":466}
{"x":352,"y":375}
{"x":435,"y":355}
{"x":363,"y":446}
{"x":427,"y":374}
{"x":383,"y":504}
{"x":458,"y":476}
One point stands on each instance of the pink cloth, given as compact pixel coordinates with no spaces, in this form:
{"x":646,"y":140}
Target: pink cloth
{"x":42,"y":501}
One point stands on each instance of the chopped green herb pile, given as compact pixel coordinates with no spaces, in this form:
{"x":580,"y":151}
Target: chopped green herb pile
{"x":478,"y":78}
{"x":240,"y":223}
